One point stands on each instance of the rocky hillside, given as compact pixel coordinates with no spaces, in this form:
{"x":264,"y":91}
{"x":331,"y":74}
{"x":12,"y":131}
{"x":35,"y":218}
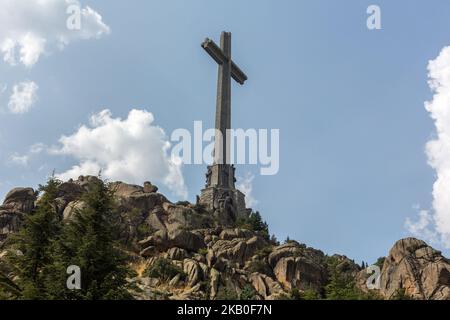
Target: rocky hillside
{"x":182,"y":251}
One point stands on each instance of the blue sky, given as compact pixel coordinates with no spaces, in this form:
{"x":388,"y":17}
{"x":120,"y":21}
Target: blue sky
{"x":349,"y":103}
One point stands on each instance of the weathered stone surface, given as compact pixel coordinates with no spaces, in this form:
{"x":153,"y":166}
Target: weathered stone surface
{"x":18,"y":202}
{"x":175,"y":280}
{"x":149,"y":187}
{"x":193,"y":271}
{"x":238,"y":250}
{"x":142,"y":202}
{"x":176,"y":254}
{"x":9,"y":223}
{"x":265,"y":285}
{"x":296,"y":266}
{"x":125,"y":190}
{"x":156,"y":219}
{"x":19,"y":199}
{"x":179,"y":216}
{"x":70,"y":191}
{"x":72,"y":208}
{"x":148,"y":252}
{"x":214,"y":282}
{"x":186,"y":240}
{"x":417,"y":268}
{"x":146,"y":242}
{"x":157,"y":240}
{"x":229,"y":234}
{"x":210,"y":257}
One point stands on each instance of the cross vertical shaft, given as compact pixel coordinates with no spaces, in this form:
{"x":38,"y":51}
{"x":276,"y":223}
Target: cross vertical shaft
{"x":221,"y":173}
{"x":223,"y":106}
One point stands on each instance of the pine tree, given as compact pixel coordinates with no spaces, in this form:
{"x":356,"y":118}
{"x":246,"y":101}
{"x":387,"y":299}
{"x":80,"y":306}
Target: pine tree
{"x":274,"y":241}
{"x":256,"y":223}
{"x":32,"y":245}
{"x":89,"y":242}
{"x":341,"y":286}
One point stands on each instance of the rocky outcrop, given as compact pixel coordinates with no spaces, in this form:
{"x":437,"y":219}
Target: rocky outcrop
{"x":217,"y":261}
{"x":296,"y":266}
{"x":237,"y":251}
{"x":236,"y":258}
{"x":412,"y":267}
{"x":418,"y":269}
{"x":71,"y":208}
{"x":194,"y":272}
{"x":267,"y":287}
{"x":18,"y":202}
{"x":187,"y":240}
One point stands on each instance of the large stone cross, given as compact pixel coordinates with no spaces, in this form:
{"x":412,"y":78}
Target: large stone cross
{"x":227,"y":70}
{"x":220,"y":194}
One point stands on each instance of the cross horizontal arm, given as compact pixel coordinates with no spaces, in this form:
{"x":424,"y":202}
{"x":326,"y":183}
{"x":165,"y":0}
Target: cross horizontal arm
{"x":214,"y":51}
{"x":217,"y":54}
{"x":238,"y":75}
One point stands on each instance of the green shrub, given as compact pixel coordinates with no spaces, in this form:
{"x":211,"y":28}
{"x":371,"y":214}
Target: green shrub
{"x":308,"y":294}
{"x":164,"y":269}
{"x":143,"y":230}
{"x":289,"y":240}
{"x":226,"y":294}
{"x":254,"y":222}
{"x":274,"y":241}
{"x":341,"y":285}
{"x":205,"y":286}
{"x":380,"y":262}
{"x":400,"y":294}
{"x":247,"y":293}
{"x":257,"y":266}
{"x":295,"y":294}
{"x":200,"y":208}
{"x":264,"y":252}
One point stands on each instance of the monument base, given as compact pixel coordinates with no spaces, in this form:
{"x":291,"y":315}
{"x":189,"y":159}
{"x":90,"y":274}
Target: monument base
{"x":215,"y":198}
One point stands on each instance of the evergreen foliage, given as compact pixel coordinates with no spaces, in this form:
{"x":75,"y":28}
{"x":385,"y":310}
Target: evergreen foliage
{"x":247,"y":293}
{"x":45,"y":247}
{"x":341,"y":284}
{"x":164,"y":269}
{"x":254,"y":222}
{"x":31,"y":252}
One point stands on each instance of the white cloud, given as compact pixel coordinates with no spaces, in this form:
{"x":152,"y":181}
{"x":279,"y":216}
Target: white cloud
{"x":131,"y":150}
{"x":37,"y":148}
{"x":7,"y":47}
{"x":423,"y":227}
{"x":18,"y":159}
{"x":23,"y":97}
{"x":31,"y":47}
{"x":30,"y":28}
{"x":436,"y":223}
{"x":245,"y":185}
